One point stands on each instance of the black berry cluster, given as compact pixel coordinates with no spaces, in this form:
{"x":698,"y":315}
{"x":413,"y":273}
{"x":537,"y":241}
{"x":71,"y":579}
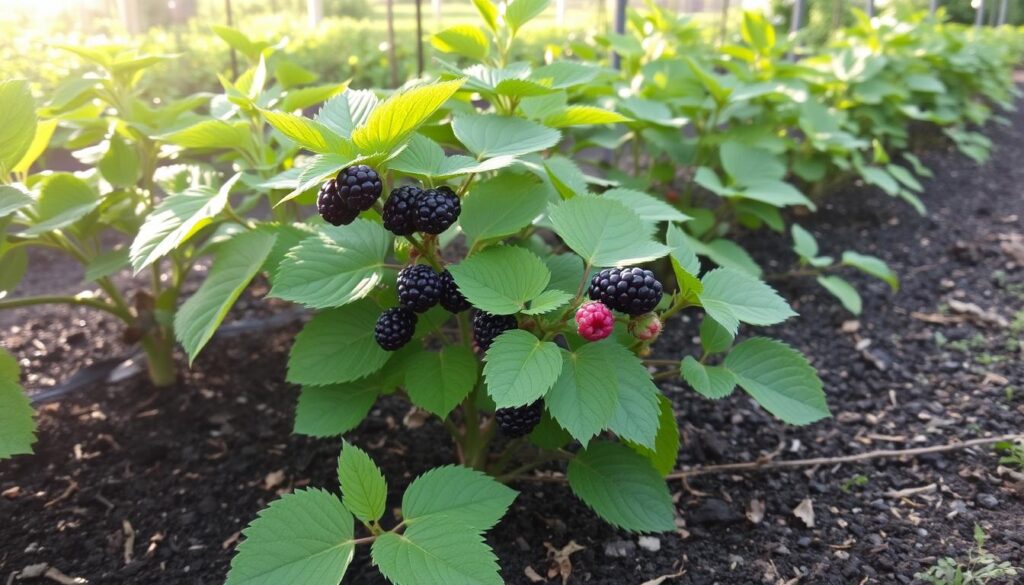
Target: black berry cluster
{"x":451,"y":297}
{"x":630,"y":290}
{"x":355,"y":189}
{"x":410,"y":209}
{"x":487,"y":328}
{"x":395,"y":328}
{"x":419,"y":289}
{"x":520,"y":420}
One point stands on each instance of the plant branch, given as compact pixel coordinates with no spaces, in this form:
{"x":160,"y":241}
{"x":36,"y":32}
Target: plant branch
{"x":92,"y":303}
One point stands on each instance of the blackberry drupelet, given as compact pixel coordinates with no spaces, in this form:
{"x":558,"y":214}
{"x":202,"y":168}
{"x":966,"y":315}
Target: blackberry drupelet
{"x":436,"y":210}
{"x":395,"y":328}
{"x":487,"y":327}
{"x":451,"y":297}
{"x":330,"y":206}
{"x":520,"y":420}
{"x":631,"y":290}
{"x":419,"y":287}
{"x":399,"y":212}
{"x":359,"y":187}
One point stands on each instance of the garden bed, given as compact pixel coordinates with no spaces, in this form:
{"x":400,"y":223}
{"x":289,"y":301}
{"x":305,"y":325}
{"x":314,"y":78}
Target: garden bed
{"x":180,"y":472}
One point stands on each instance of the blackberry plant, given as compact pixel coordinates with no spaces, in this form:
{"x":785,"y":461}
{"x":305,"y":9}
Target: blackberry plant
{"x":511,"y":296}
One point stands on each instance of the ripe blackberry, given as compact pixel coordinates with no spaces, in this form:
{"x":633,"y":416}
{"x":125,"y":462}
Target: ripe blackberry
{"x":520,"y":420}
{"x":359,"y":187}
{"x":330,"y":206}
{"x":419,"y":287}
{"x":487,"y":327}
{"x":399,"y":213}
{"x":594,"y":321}
{"x":632,"y":290}
{"x":451,"y":298}
{"x":436,"y":210}
{"x":394,"y":328}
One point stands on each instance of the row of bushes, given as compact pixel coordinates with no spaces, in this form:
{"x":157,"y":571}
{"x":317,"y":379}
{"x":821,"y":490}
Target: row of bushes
{"x":574,"y":207}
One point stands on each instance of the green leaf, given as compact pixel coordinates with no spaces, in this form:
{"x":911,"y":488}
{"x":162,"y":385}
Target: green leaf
{"x":548,"y":301}
{"x":17,"y":123}
{"x":685,"y":263}
{"x":13,"y":199}
{"x":646,"y":207}
{"x":501,"y":206}
{"x":747,"y":164}
{"x":305,"y":537}
{"x":566,"y":272}
{"x":636,"y":415}
{"x":501,"y":280}
{"x":344,"y":113}
{"x":290,"y":74}
{"x":714,"y":382}
{"x":13,"y":267}
{"x":804,"y":243}
{"x":17,"y":425}
{"x":64,"y":199}
{"x":844,"y":291}
{"x":238,"y":41}
{"x":306,"y":133}
{"x":328,"y":411}
{"x":780,"y":379}
{"x":336,"y":267}
{"x":439,"y":381}
{"x":904,"y":176}
{"x":713,"y":337}
{"x":727,"y":254}
{"x":584,"y":116}
{"x":604,"y":232}
{"x":489,"y":12}
{"x":120,"y":165}
{"x":175,"y":220}
{"x":622,"y":487}
{"x":436,"y":550}
{"x":460,"y":494}
{"x":492,"y":136}
{"x":775,"y":193}
{"x":212,"y":134}
{"x":757,"y":31}
{"x":520,"y":368}
{"x":666,"y":444}
{"x":881,"y":179}
{"x":423,"y":157}
{"x":873,"y":266}
{"x":730,"y":297}
{"x":565,"y":74}
{"x":390,"y":123}
{"x":40,"y":140}
{"x":237,"y":262}
{"x":548,"y":434}
{"x":106,"y":264}
{"x":519,"y":12}
{"x":363,"y":488}
{"x":463,"y":39}
{"x":300,"y":99}
{"x":586,"y":395}
{"x":337,"y":346}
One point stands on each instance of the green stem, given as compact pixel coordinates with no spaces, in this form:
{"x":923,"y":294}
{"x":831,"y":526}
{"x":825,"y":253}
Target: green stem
{"x":159,"y":360}
{"x":67,"y":300}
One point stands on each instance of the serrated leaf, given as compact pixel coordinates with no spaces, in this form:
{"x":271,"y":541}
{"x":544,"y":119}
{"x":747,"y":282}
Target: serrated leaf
{"x":780,"y":379}
{"x":489,"y":12}
{"x":40,"y":141}
{"x":336,"y":267}
{"x":565,"y":74}
{"x":548,"y":301}
{"x":17,"y":122}
{"x":714,"y":382}
{"x":713,"y":337}
{"x":337,"y":346}
{"x":423,"y":157}
{"x":175,"y":220}
{"x":585,"y":396}
{"x":13,"y":199}
{"x":501,"y":206}
{"x":63,"y":200}
{"x":646,"y":207}
{"x":436,"y":550}
{"x":17,"y":423}
{"x":566,"y":272}
{"x":302,"y":98}
{"x":844,"y":291}
{"x":622,"y":487}
{"x":666,"y":445}
{"x":501,"y":280}
{"x":363,"y":488}
{"x":237,"y":262}
{"x":636,"y":413}
{"x":493,"y":136}
{"x":804,"y":243}
{"x":519,"y":12}
{"x":775,"y":193}
{"x":583,"y":116}
{"x":106,"y":264}
{"x":390,"y":123}
{"x":308,"y":134}
{"x":873,"y":266}
{"x":120,"y":165}
{"x":439,"y":381}
{"x":748,"y":164}
{"x":305,"y":537}
{"x":730,"y":297}
{"x":463,"y":39}
{"x":346,"y":112}
{"x":604,"y":232}
{"x":520,"y":368}
{"x":328,"y":411}
{"x":211,"y":134}
{"x":566,"y":176}
{"x":462,"y":495}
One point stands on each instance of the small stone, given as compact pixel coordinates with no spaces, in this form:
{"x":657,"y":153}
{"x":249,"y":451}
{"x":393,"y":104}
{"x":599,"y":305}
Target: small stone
{"x":619,"y":549}
{"x":650,"y":543}
{"x":988,"y":501}
{"x":804,"y":541}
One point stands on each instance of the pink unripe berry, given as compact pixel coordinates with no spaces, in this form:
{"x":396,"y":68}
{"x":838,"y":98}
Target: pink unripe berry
{"x":595,"y":321}
{"x":646,"y":327}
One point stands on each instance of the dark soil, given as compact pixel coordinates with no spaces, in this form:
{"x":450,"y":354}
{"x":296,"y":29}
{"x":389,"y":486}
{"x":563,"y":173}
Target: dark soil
{"x":189,"y":467}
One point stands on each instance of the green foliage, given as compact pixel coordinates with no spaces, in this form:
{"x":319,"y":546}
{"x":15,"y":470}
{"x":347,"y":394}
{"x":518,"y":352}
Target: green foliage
{"x":981,"y":567}
{"x":17,"y":424}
